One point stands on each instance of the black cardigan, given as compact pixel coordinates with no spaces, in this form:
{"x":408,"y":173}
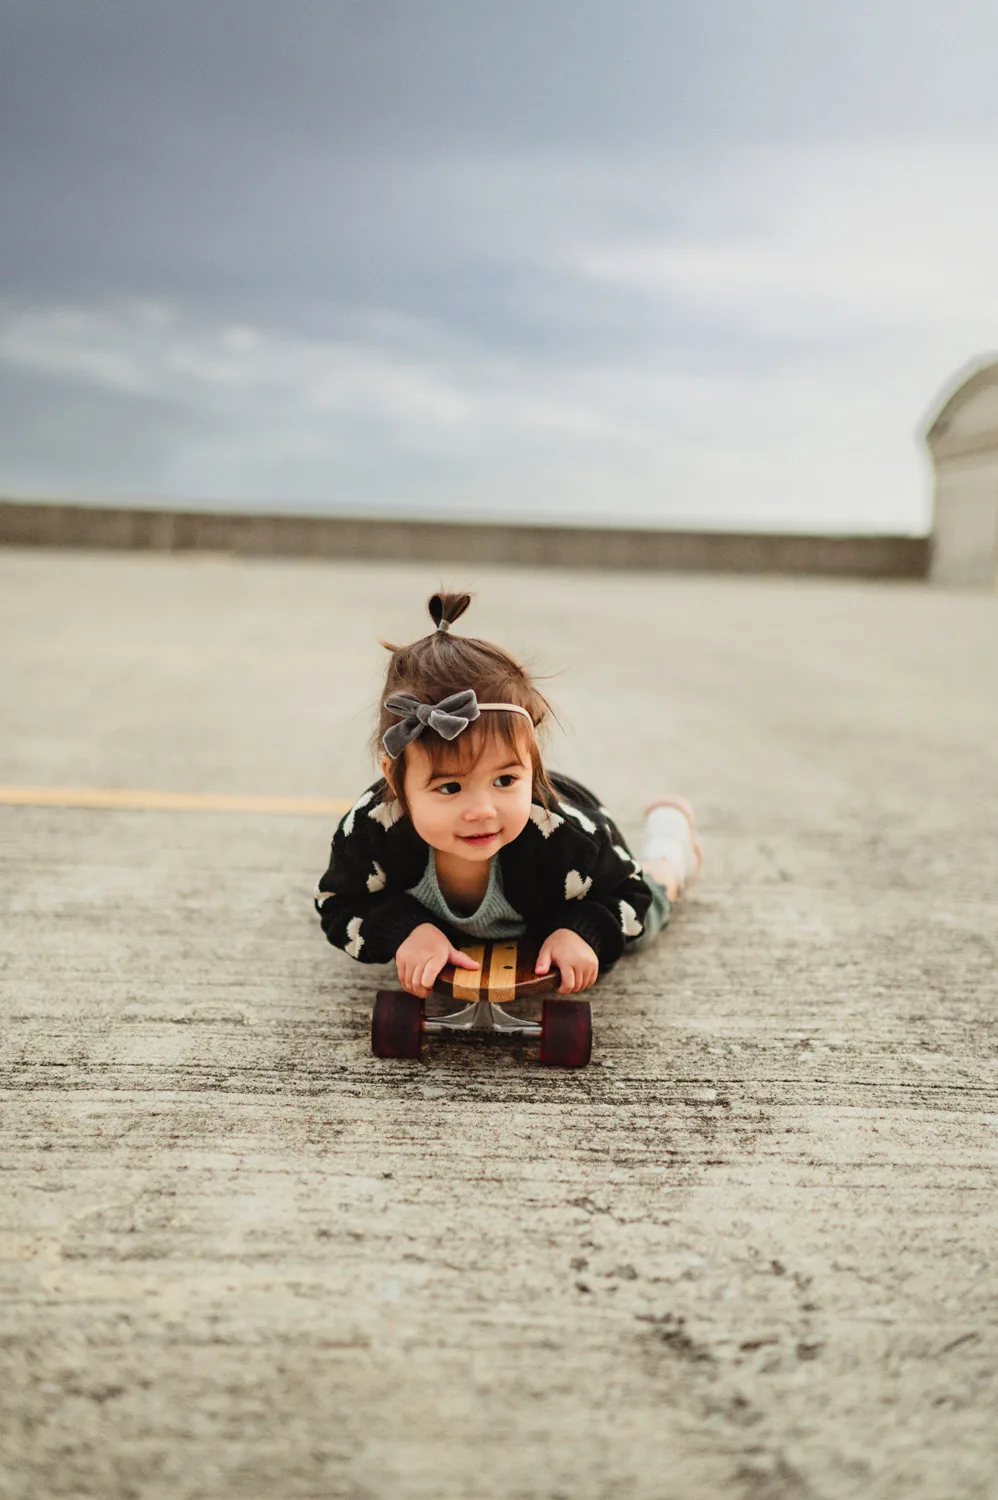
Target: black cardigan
{"x":570,"y":867}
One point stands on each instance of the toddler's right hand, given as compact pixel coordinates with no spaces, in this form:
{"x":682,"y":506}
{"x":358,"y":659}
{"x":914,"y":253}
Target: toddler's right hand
{"x":421,"y":957}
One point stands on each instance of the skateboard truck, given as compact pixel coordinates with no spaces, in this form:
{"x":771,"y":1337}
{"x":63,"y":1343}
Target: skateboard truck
{"x":505,"y":974}
{"x":481,"y":1016}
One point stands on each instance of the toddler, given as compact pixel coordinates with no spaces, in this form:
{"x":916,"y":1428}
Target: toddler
{"x":468,"y":836}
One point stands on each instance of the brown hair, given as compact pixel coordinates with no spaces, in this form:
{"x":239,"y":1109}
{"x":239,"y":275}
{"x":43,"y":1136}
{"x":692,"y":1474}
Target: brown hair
{"x":441,"y":664}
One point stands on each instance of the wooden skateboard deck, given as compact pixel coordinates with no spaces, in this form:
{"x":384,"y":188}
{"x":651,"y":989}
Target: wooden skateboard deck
{"x":506,"y":974}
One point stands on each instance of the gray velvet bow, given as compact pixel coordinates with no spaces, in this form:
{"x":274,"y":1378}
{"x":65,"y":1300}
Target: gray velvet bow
{"x":448,"y":718}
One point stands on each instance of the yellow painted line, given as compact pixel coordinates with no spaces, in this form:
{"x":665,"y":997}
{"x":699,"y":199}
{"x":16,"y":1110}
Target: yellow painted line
{"x":133,"y":800}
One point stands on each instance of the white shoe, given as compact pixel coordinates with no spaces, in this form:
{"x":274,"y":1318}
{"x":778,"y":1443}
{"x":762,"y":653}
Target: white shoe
{"x":670,"y":834}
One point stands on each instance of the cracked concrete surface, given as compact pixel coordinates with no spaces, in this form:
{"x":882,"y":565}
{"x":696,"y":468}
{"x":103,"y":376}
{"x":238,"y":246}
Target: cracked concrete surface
{"x":749,"y":1253}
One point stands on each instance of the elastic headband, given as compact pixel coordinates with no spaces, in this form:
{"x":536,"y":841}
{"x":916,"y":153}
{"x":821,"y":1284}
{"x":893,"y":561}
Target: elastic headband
{"x":448,"y":718}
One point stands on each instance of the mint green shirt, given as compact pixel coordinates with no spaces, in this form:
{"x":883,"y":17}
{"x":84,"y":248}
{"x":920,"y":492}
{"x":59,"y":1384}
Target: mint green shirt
{"x":493,"y":919}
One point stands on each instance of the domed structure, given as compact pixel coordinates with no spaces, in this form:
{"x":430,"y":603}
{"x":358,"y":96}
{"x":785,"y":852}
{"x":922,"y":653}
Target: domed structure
{"x":963,"y":441}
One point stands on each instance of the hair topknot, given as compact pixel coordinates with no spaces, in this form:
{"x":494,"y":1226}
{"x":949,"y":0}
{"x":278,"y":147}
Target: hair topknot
{"x":447,"y":608}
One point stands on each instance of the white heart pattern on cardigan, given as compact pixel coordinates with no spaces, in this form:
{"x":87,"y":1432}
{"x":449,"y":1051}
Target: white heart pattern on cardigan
{"x":579,"y":816}
{"x":362,"y":801}
{"x":356,"y":941}
{"x":386,"y":813}
{"x":627,"y":857}
{"x":629,"y":920}
{"x":546,"y":821}
{"x":575,"y":887}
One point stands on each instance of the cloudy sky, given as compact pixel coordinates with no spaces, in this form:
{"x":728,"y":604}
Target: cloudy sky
{"x":676,"y":262}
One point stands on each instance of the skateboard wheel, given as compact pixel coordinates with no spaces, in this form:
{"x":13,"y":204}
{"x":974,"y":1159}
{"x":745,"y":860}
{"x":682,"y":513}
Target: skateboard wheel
{"x":566,"y":1033}
{"x":397,"y":1024}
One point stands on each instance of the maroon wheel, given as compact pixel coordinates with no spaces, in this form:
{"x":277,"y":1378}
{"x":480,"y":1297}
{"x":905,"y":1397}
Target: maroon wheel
{"x":397,"y":1024}
{"x":566,"y":1033}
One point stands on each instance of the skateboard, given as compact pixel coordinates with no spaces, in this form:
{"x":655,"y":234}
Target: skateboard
{"x":506,"y":975}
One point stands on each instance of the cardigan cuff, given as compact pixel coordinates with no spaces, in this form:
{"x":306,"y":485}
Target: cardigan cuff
{"x":595,"y":925}
{"x":386,"y":928}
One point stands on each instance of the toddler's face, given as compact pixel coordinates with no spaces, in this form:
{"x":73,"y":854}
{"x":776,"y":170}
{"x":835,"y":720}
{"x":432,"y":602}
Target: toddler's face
{"x":470,"y":813}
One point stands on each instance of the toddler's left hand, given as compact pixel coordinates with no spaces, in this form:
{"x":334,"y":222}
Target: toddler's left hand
{"x":574,"y":959}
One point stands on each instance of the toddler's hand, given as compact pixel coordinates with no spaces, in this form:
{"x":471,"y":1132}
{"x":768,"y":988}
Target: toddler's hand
{"x":573,"y":958}
{"x":421,"y":957}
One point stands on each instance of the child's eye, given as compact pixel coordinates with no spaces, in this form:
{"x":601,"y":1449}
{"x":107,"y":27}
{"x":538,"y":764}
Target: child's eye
{"x":449,"y":788}
{"x":507,"y":779}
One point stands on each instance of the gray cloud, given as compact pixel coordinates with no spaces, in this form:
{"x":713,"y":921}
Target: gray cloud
{"x":197,"y":144}
{"x":557,"y":233}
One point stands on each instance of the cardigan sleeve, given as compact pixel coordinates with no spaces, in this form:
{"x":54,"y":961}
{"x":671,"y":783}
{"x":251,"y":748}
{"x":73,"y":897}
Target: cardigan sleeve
{"x":357,"y":909}
{"x":607,"y":902}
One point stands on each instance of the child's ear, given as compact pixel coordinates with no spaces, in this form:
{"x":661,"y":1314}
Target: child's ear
{"x":386,"y":766}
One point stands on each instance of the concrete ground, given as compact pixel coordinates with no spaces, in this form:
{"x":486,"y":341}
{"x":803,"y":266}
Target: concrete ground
{"x":749,"y":1253}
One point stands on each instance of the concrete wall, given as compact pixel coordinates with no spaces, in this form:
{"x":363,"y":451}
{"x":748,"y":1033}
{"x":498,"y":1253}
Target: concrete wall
{"x":45,"y":525}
